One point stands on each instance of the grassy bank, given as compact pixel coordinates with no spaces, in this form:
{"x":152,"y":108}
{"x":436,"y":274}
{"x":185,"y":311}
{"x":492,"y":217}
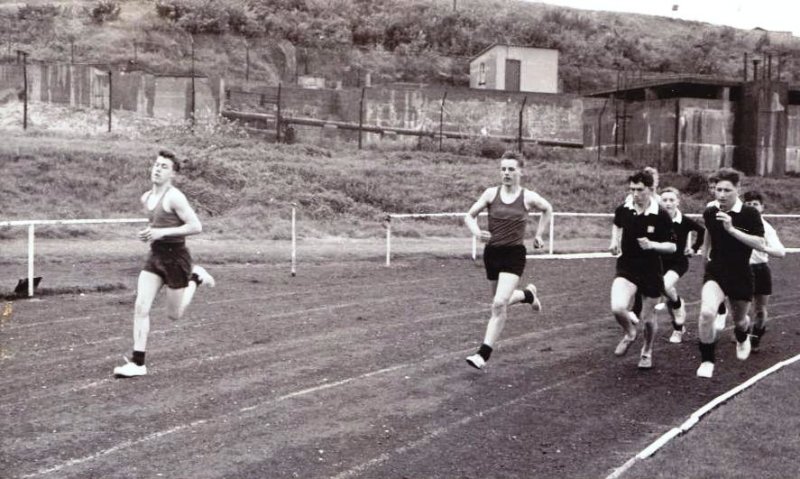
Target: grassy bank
{"x":244,"y":188}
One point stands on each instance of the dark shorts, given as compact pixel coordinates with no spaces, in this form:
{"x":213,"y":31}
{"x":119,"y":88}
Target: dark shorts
{"x":762,"y":279}
{"x":680,"y":266}
{"x":737,"y":285}
{"x":646,"y":275}
{"x":504,"y":259}
{"x":172,"y":262}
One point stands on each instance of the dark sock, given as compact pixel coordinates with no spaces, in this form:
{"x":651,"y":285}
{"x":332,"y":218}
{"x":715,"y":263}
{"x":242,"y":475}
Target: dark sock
{"x":707,"y":351}
{"x":138,"y":358}
{"x":677,"y":327}
{"x":673,"y":305}
{"x":528,"y":296}
{"x":637,"y":305}
{"x":722,"y":309}
{"x":485,"y":351}
{"x":740,"y":334}
{"x":196,"y":279}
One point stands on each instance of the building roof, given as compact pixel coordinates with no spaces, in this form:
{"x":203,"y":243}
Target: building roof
{"x":671,"y":81}
{"x":472,"y":58}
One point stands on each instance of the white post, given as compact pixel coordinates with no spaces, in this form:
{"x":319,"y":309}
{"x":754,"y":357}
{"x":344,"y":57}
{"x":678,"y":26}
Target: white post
{"x":30,"y":260}
{"x":388,"y":240}
{"x":474,"y":247}
{"x":294,"y":243}
{"x":552,"y":220}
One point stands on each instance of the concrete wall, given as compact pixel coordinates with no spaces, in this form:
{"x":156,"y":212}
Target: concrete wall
{"x":87,"y":86}
{"x":793,"y":139}
{"x":704,"y":129}
{"x":538,"y":74}
{"x":467,"y":111}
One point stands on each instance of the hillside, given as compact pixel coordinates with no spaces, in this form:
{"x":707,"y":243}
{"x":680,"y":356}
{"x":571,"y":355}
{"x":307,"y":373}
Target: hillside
{"x":392,"y":40}
{"x":244,"y":188}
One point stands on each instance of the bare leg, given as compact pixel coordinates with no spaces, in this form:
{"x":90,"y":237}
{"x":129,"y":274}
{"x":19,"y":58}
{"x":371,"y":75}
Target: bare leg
{"x":650,"y":325}
{"x":146,"y":290}
{"x":622,"y":293}
{"x":506,"y":284}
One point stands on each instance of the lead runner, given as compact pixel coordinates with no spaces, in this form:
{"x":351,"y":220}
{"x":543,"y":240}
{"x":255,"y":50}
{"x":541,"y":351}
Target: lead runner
{"x":172,"y":219}
{"x":504,"y":254}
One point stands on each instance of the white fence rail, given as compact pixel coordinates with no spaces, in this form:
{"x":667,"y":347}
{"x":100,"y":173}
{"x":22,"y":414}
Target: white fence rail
{"x":551,"y":228}
{"x":31,"y":224}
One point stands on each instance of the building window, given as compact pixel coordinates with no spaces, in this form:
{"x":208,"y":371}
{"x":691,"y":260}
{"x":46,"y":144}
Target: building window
{"x":482,"y":74}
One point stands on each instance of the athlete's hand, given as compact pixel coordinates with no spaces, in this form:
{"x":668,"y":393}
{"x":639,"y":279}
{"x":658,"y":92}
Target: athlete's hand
{"x":144,"y":235}
{"x":644,"y":243}
{"x":726,"y":220}
{"x":689,"y":251}
{"x":614,"y":249}
{"x":485,"y":236}
{"x":538,"y":242}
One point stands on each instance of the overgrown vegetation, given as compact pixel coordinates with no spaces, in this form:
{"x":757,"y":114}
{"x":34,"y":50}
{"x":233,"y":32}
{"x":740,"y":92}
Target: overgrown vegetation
{"x":394,"y":40}
{"x":245,"y":188}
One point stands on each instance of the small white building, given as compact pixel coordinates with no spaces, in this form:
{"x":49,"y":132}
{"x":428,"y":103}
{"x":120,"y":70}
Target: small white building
{"x":515,"y":68}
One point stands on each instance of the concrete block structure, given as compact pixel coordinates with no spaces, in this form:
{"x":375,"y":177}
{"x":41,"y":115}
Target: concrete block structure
{"x":515,"y":69}
{"x":699,"y":124}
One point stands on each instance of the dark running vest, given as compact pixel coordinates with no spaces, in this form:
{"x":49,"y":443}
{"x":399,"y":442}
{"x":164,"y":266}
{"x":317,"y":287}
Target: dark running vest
{"x":507,"y":221}
{"x":160,"y":218}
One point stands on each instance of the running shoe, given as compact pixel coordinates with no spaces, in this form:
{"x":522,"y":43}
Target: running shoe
{"x":624,"y":344}
{"x":476,"y":361}
{"x":204,"y":277}
{"x":706,"y":369}
{"x":677,"y":336}
{"x":536,"y":305}
{"x":130,"y":369}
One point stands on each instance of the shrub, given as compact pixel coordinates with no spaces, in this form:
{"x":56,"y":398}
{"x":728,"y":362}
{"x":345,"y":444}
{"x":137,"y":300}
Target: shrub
{"x":103,"y":11}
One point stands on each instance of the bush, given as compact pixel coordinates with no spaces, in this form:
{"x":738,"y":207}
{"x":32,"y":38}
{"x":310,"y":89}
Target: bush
{"x":38,"y":13}
{"x":104,"y":11}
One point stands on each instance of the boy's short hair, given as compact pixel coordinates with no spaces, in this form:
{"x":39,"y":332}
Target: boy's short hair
{"x":642,"y":177}
{"x":729,"y":174}
{"x":176,"y":166}
{"x":753,"y":195}
{"x":514,"y":155}
{"x":673,"y":190}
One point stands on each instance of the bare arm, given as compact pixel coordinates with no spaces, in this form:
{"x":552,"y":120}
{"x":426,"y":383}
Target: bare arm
{"x":616,"y":237}
{"x":534,"y":200}
{"x":772,"y":244}
{"x":471,"y":218}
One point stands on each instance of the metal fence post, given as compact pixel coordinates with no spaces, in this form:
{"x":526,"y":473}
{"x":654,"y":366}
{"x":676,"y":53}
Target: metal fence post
{"x":361,"y":116}
{"x":441,"y":120}
{"x":25,"y":87}
{"x":30,"y":259}
{"x":519,"y":135}
{"x":110,"y":90}
{"x":278,"y":117}
{"x":388,"y":240}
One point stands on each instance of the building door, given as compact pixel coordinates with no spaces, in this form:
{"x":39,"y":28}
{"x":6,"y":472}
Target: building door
{"x":513,"y":69}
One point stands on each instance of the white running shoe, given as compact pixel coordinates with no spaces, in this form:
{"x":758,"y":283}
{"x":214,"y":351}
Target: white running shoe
{"x":679,"y":315}
{"x":624,"y":344}
{"x":677,"y":336}
{"x":660,"y":307}
{"x":205,"y":277}
{"x":646,"y":361}
{"x":536,"y":305}
{"x":476,"y":361}
{"x":719,"y":321}
{"x":634,"y":319}
{"x":130,"y":369}
{"x":743,"y":349}
{"x":706,"y":369}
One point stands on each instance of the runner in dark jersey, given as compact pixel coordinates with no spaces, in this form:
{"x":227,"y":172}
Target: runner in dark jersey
{"x":169,"y":262}
{"x":733,"y":230}
{"x":676,"y":264}
{"x":504,"y":254}
{"x":646,"y":233}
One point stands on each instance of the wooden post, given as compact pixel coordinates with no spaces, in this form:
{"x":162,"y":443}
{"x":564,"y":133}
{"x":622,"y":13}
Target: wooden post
{"x":24,"y":56}
{"x":193,"y":91}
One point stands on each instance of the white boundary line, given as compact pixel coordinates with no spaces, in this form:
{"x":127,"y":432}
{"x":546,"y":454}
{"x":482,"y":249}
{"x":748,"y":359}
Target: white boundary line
{"x":696,"y":416}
